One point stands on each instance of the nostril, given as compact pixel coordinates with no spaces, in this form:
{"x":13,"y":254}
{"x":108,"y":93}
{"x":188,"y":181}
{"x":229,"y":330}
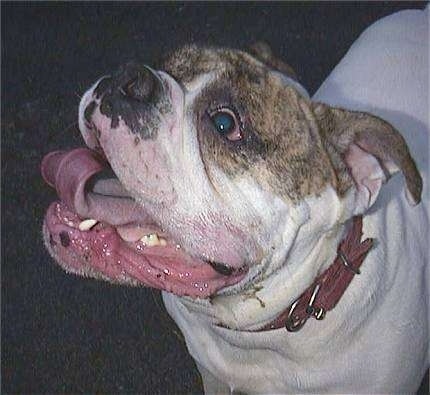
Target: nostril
{"x":142,"y":86}
{"x":106,"y":107}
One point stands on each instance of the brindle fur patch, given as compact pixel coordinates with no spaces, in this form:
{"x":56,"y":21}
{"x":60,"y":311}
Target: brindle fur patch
{"x":281,"y":148}
{"x":340,"y":128}
{"x":291,"y":146}
{"x":262,"y":51}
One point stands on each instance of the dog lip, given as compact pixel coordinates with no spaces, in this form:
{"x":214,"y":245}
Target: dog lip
{"x":222,"y":268}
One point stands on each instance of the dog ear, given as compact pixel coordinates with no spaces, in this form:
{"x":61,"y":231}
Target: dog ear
{"x":262,"y":51}
{"x":371,"y":149}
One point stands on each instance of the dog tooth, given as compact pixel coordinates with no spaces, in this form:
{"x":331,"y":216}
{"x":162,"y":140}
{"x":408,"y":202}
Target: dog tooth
{"x":87,"y":224}
{"x":130,"y":233}
{"x":151,"y":240}
{"x":163,"y":242}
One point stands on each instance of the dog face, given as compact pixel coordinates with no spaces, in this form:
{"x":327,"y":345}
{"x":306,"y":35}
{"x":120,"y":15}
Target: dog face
{"x":214,"y":152}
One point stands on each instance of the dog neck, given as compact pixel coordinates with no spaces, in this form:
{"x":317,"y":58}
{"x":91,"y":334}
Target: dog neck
{"x":310,"y":240}
{"x":329,"y":287}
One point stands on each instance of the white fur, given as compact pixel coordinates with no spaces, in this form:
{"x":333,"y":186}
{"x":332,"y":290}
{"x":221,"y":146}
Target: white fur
{"x":376,"y":339}
{"x":168,"y":176}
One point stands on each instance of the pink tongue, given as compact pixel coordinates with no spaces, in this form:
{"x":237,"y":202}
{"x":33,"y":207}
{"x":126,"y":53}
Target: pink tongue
{"x":69,"y":172}
{"x":103,"y":250}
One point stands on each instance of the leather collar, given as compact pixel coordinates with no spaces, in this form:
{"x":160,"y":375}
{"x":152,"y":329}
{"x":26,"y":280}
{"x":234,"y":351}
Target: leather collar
{"x":328,"y":288}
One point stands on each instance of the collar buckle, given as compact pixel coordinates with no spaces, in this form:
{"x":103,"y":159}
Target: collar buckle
{"x":294,"y":323}
{"x":328,"y":288}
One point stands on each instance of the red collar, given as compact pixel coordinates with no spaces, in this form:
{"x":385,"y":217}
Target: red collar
{"x":327,"y":289}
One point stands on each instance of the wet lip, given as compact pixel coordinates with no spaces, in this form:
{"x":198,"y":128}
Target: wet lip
{"x":222,"y":268}
{"x":101,"y":250}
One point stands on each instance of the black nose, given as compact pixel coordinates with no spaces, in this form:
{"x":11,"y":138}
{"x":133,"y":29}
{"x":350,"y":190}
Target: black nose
{"x":138,"y":82}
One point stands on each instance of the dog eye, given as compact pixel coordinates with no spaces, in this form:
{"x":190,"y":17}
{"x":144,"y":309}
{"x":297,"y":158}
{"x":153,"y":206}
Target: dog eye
{"x":226,"y":124}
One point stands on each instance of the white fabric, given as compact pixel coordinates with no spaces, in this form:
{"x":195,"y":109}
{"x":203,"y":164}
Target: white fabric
{"x":376,"y":339}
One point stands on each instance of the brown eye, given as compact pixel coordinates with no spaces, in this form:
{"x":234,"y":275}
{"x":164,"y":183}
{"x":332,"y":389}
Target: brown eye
{"x":226,"y":124}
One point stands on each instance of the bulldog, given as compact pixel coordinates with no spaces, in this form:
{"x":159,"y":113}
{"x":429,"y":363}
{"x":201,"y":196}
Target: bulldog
{"x":215,"y":178}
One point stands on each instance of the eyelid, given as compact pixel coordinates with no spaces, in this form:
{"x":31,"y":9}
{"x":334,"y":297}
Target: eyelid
{"x":217,"y":109}
{"x":229,"y":109}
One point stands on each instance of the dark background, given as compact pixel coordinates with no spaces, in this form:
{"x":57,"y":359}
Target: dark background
{"x":61,"y":333}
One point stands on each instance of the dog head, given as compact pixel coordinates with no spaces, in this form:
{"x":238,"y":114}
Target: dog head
{"x":215,"y":152}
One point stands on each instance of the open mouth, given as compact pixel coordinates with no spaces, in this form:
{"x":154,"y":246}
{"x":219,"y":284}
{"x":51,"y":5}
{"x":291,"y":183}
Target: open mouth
{"x":98,"y":230}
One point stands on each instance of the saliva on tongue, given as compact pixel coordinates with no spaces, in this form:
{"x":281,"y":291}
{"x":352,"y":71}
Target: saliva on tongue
{"x":99,"y":250}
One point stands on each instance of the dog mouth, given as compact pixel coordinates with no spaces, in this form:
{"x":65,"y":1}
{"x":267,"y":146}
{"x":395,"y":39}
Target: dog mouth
{"x":98,"y":230}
